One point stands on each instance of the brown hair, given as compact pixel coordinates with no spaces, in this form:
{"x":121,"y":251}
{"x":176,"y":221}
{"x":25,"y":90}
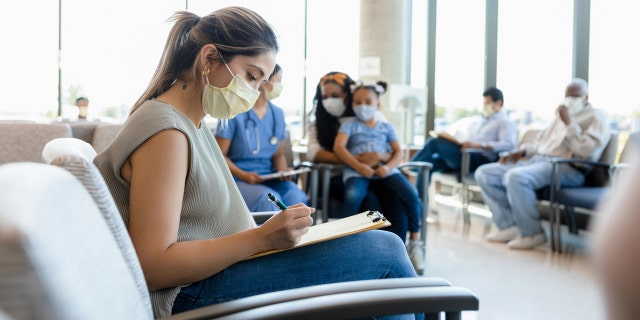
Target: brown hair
{"x":233,"y":31}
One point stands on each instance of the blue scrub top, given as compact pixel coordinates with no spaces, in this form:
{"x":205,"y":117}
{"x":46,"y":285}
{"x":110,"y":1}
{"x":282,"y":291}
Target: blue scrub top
{"x":243,"y":130}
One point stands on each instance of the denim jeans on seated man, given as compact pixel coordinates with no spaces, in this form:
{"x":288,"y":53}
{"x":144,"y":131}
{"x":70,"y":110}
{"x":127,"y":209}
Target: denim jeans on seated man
{"x":579,"y":131}
{"x":510,"y":191}
{"x":445,"y":156}
{"x":339,"y":259}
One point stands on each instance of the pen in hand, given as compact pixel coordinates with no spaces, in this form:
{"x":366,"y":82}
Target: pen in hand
{"x":277,"y":202}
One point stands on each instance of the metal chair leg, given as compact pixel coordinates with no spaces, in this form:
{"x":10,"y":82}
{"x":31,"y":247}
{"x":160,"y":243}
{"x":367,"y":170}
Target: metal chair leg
{"x":326,"y":180}
{"x":453,"y":315}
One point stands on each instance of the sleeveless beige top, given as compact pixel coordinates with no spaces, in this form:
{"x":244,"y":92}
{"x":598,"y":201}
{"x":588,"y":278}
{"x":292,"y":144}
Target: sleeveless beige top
{"x":212,"y":206}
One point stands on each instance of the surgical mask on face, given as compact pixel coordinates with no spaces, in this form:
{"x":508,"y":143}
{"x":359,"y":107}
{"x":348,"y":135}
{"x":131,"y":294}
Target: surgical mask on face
{"x":574,"y":104}
{"x":226,"y":103}
{"x":83,"y":111}
{"x":275,"y":91}
{"x":487,"y":110}
{"x":334,"y":106}
{"x":365,"y":112}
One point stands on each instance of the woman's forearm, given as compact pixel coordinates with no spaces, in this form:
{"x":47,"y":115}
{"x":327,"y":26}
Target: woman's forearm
{"x":327,"y":156}
{"x":396,"y":156}
{"x":279,"y":162}
{"x":203,"y":258}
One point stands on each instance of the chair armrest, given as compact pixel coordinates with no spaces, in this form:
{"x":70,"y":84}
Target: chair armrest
{"x":329,"y":166}
{"x":478,"y":150}
{"x":355,"y":305}
{"x":267,"y":299}
{"x":579,"y":161}
{"x":422,"y":165}
{"x":616,"y":171}
{"x":619,"y":166}
{"x":307,"y":164}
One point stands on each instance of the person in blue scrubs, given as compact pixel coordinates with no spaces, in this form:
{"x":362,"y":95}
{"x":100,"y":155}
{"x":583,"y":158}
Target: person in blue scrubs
{"x":251,"y":143}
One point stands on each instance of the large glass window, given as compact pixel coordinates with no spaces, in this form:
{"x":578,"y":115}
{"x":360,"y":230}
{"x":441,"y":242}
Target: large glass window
{"x":459,"y":69}
{"x":613,"y":65}
{"x":459,"y":60}
{"x":534,"y":55}
{"x":110,"y":51}
{"x":29,"y":60}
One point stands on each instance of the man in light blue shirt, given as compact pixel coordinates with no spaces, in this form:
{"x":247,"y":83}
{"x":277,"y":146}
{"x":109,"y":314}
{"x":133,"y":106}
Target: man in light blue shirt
{"x":496,"y":133}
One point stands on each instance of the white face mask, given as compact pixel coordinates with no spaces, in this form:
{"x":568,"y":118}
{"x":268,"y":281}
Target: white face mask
{"x":365,"y":112}
{"x":487,"y":110}
{"x":574,"y":104}
{"x":334,"y":106}
{"x":226,"y":103}
{"x":83,"y":111}
{"x":275,"y":91}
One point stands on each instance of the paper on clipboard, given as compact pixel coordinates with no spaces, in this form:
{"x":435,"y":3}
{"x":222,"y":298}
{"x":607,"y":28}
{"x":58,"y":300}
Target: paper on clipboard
{"x":364,"y":221}
{"x":445,"y":136}
{"x":281,"y":174}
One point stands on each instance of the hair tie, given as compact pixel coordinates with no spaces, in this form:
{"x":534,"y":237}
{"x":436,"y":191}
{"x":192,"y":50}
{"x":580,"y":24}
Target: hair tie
{"x":338,"y":78}
{"x":376,"y":87}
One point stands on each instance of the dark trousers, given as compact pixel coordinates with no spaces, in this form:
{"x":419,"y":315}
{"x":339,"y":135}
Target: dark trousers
{"x":445,"y":156}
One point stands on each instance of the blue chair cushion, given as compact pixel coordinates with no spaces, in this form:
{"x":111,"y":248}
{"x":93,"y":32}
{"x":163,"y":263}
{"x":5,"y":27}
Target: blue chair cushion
{"x":583,"y":197}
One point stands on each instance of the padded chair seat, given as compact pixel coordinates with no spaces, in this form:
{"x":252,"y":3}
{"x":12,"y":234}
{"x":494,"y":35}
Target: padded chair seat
{"x":581,"y":197}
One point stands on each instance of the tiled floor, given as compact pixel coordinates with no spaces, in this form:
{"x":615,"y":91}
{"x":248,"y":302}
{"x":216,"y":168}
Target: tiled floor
{"x":510,"y":284}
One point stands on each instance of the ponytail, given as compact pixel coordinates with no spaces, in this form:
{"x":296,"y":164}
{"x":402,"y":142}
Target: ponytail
{"x":233,"y":31}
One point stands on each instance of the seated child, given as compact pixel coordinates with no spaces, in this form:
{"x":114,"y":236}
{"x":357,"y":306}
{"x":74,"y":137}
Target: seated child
{"x":366,"y":134}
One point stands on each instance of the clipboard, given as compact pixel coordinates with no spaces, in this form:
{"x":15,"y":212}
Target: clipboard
{"x":364,"y":221}
{"x":445,"y":136}
{"x":281,"y":174}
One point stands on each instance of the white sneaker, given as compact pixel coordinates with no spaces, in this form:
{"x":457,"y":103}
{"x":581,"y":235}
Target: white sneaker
{"x":504,"y":235}
{"x":415,"y":249}
{"x":527,"y":243}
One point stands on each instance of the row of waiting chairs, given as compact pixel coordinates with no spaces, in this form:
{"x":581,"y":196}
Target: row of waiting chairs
{"x":24,"y":140}
{"x":555,"y":199}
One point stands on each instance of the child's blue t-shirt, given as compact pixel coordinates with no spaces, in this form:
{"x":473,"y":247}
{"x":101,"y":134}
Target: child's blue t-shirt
{"x":364,"y":139}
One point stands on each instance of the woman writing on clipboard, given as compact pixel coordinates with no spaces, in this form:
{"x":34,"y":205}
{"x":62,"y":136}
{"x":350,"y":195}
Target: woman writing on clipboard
{"x":251,"y":145}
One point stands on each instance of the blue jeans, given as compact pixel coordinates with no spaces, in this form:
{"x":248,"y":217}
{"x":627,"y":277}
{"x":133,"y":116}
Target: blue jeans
{"x":389,"y":207}
{"x":368,"y":255}
{"x":377,"y":200}
{"x":255,"y":195}
{"x":510,"y":190}
{"x":336,"y":192}
{"x":393,"y":186}
{"x":444,"y":156}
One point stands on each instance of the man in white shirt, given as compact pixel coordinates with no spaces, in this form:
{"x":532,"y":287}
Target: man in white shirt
{"x":579,"y":131}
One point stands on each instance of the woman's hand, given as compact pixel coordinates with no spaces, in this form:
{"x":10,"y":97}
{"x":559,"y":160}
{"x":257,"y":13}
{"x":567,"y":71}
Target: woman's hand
{"x":382,"y":171}
{"x":250,"y":177}
{"x":512,"y":157}
{"x":373,"y":159}
{"x":286,"y":178}
{"x":364,"y":170}
{"x":285,"y":229}
{"x":369,"y":158}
